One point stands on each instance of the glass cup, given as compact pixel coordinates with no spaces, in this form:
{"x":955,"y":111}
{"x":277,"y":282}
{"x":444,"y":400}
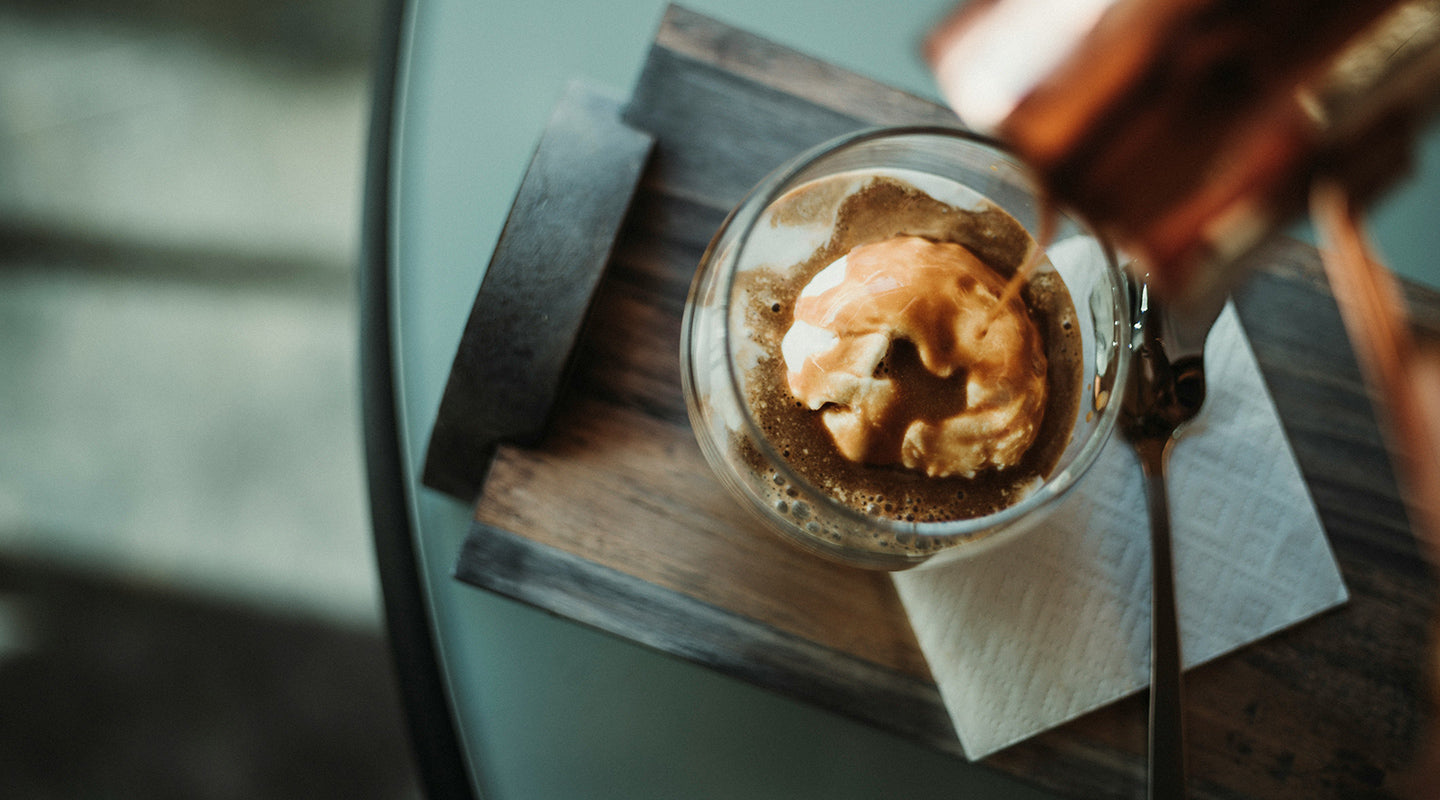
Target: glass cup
{"x":770,"y":232}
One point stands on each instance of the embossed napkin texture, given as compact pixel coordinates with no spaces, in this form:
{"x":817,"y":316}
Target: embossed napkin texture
{"x":1040,"y":630}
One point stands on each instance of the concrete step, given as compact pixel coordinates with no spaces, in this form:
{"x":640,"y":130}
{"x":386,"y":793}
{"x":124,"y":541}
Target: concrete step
{"x":179,"y":225}
{"x":119,"y":133}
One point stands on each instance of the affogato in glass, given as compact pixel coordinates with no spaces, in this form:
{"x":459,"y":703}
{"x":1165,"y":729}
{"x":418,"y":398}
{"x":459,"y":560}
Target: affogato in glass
{"x":863,"y":370}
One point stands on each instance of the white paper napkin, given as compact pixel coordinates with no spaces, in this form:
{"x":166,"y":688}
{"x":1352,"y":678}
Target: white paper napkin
{"x":1040,"y":630}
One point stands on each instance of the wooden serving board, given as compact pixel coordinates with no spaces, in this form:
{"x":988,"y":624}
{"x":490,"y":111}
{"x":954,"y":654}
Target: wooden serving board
{"x":612,"y":518}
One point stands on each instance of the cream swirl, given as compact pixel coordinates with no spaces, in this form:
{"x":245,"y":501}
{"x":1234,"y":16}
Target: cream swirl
{"x":896,"y":345}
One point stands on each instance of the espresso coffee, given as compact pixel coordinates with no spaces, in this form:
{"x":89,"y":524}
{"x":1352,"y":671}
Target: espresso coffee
{"x":803,"y":233}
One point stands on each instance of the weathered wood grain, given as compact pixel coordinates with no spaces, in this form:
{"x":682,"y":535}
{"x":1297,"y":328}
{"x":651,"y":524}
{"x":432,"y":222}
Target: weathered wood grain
{"x":532,"y":302}
{"x":645,"y":611}
{"x":613,"y":518}
{"x":765,"y":63}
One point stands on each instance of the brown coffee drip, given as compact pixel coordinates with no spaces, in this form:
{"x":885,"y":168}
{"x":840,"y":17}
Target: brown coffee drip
{"x":1048,"y":220}
{"x":883,"y":208}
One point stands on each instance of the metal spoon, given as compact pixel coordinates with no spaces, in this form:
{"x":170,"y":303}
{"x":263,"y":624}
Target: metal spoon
{"x":1165,"y":392}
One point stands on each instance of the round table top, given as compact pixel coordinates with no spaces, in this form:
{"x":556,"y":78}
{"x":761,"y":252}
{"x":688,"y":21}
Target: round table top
{"x":543,"y":707}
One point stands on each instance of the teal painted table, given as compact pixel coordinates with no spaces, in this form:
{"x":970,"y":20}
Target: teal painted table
{"x":514,"y":702}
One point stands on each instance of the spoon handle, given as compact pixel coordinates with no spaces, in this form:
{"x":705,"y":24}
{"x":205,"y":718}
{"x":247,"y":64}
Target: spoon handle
{"x":1167,"y":722}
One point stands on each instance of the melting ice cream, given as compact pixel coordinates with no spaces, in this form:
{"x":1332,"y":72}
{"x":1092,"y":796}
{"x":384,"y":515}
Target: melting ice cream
{"x":899,"y":346}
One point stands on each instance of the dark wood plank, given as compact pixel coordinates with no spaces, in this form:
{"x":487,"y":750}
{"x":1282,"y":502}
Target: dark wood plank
{"x":616,"y":495}
{"x":743,"y":54}
{"x":643,"y":611}
{"x":710,"y":148}
{"x":516,"y":347}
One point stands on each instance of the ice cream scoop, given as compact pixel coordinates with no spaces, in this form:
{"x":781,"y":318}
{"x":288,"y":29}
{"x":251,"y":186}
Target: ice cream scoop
{"x":899,"y":346}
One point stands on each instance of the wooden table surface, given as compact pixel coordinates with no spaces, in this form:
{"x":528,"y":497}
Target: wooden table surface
{"x":612,"y":518}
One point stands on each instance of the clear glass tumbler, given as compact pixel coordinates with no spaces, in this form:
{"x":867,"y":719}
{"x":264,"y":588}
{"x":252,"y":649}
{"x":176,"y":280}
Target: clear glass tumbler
{"x":719,"y":348}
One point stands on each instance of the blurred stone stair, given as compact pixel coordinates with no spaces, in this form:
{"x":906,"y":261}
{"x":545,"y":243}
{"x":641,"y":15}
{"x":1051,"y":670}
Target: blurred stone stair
{"x":181,"y":488}
{"x":178,"y":234}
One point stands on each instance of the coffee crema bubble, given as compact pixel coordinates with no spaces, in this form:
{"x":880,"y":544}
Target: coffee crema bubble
{"x":810,"y":228}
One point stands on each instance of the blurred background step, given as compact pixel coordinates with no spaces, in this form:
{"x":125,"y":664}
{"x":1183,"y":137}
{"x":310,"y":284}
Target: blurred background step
{"x":188,"y":600}
{"x":179,"y":213}
{"x":150,"y":130}
{"x":115,"y":689}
